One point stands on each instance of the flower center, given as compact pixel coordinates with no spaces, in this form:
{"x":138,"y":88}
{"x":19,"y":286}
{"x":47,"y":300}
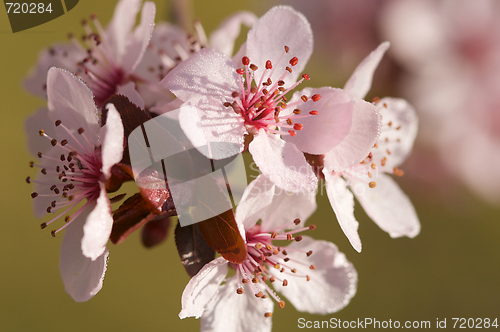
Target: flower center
{"x":70,"y":178}
{"x":98,"y":69}
{"x":263,"y":105}
{"x":268,"y":262}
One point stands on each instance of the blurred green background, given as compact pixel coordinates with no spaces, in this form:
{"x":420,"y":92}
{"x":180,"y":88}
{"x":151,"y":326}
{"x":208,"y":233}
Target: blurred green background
{"x":450,"y":270}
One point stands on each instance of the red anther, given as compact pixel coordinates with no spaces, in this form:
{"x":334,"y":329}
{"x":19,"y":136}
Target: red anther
{"x":268,"y":314}
{"x":253,"y":67}
{"x":296,"y":111}
{"x":269,"y":65}
{"x":298,"y":126}
{"x":33,"y":195}
{"x":316,"y":97}
{"x":287,"y":49}
{"x":227,"y":104}
{"x":245,"y":61}
{"x":240,"y":71}
{"x":309,"y":253}
{"x":235,"y":94}
{"x":289,"y":121}
{"x":376,"y":100}
{"x":296,"y":221}
{"x":294,"y":61}
{"x":312,"y":267}
{"x":314,"y":112}
{"x":312,"y":227}
{"x":80,"y":130}
{"x":298,"y":238}
{"x":58,"y":122}
{"x":281,"y":82}
{"x":288,"y":69}
{"x":292,"y":133}
{"x":240,"y":291}
{"x":306,"y":77}
{"x":285,"y":282}
{"x":304,"y":98}
{"x":282,"y":304}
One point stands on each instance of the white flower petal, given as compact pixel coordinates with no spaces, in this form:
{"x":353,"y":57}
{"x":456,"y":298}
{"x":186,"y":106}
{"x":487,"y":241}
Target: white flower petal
{"x":97,"y":227}
{"x":112,"y":144}
{"x":357,"y":144}
{"x":256,"y":198}
{"x":36,"y":122}
{"x":282,"y":163}
{"x":202,"y":288}
{"x":82,"y":277}
{"x":223,"y":38}
{"x":326,"y":130}
{"x":61,"y":56}
{"x":281,"y":26}
{"x":138,"y":42}
{"x":360,"y":81}
{"x":210,"y":126}
{"x":237,"y":312}
{"x":389,"y":207}
{"x":72,"y":102}
{"x":332,"y":284}
{"x":342,"y":203}
{"x":286,"y":207}
{"x":120,"y":27}
{"x":208,"y":74}
{"x":399,"y":137}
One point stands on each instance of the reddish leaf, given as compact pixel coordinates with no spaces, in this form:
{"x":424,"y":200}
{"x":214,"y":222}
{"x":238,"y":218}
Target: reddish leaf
{"x":222,"y":234}
{"x":134,"y":213}
{"x":154,"y":232}
{"x":193,"y":250}
{"x":129,"y":217}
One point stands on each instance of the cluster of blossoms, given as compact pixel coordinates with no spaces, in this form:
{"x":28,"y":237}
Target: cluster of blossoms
{"x":451,"y":53}
{"x":124,"y":77}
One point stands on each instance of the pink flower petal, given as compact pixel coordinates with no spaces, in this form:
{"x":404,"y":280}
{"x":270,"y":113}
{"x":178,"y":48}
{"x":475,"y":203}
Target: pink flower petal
{"x":361,"y":138}
{"x":332,"y":284}
{"x":202,"y":288}
{"x":206,"y":77}
{"x":97,"y":227}
{"x":282,"y":163}
{"x":389,"y":207}
{"x":36,"y":122}
{"x":360,"y":81}
{"x":255,"y":200}
{"x":286,"y":207}
{"x":210,"y":125}
{"x":281,"y":26}
{"x":237,"y":312}
{"x":118,"y":31}
{"x":112,"y":144}
{"x":223,"y":38}
{"x":342,"y":203}
{"x":326,"y":130}
{"x":139,"y":40}
{"x":398,"y":137}
{"x":72,"y":102}
{"x":82,"y":276}
{"x":61,"y":56}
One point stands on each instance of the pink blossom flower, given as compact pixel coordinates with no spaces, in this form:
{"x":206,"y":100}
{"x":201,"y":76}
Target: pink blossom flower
{"x":379,"y":195}
{"x":75,"y":159}
{"x":235,"y":102}
{"x":107,"y":59}
{"x":313,"y":275}
{"x":451,"y":51}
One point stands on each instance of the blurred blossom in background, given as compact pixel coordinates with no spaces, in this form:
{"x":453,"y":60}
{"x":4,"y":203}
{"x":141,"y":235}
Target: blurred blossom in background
{"x":450,"y":52}
{"x":444,"y":59}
